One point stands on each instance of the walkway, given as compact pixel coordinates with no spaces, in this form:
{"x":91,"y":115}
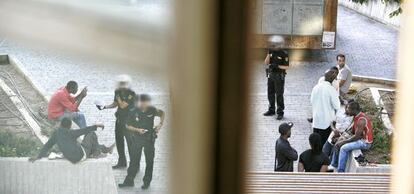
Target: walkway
{"x":371,"y":50}
{"x":370,"y":47}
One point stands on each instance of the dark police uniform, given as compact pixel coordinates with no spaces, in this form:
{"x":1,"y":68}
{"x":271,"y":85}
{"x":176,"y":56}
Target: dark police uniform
{"x":128,"y":96}
{"x":276,"y":80}
{"x":142,"y":120}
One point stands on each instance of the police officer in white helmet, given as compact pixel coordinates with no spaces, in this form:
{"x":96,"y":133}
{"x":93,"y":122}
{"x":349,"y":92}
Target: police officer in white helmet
{"x":277,"y":60}
{"x":124,"y":99}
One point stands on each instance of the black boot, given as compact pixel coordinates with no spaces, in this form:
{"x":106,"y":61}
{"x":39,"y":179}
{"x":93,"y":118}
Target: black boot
{"x":145,"y":186}
{"x":126,"y":183}
{"x":269,"y":113}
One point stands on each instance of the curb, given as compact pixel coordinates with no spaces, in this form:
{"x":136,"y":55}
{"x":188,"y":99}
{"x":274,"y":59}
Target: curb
{"x":4,"y":59}
{"x":19,"y":67}
{"x":30,"y":121}
{"x":377,"y":80}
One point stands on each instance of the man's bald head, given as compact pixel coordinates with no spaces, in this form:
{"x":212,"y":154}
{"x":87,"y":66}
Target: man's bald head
{"x":330,"y":75}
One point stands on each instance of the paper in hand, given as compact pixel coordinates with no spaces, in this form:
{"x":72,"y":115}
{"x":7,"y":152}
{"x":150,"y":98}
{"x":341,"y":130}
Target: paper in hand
{"x":99,"y":104}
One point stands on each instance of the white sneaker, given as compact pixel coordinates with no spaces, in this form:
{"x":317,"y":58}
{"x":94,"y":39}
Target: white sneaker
{"x":331,"y":168}
{"x":54,"y":156}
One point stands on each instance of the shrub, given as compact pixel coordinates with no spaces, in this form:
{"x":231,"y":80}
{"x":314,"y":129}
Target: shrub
{"x":396,"y":12}
{"x":12,"y":145}
{"x":381,"y":146}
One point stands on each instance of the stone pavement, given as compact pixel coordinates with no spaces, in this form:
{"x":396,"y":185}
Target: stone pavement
{"x":371,"y":51}
{"x":49,"y":71}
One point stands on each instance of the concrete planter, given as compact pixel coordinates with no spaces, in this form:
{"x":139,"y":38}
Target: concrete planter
{"x":353,"y":166}
{"x":376,"y":80}
{"x":93,"y":176}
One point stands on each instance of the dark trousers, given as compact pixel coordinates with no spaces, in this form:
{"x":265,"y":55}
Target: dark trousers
{"x":138,"y":144}
{"x":91,"y":145}
{"x":120,"y":133}
{"x":275,"y":90}
{"x":324,"y":133}
{"x":328,"y":149}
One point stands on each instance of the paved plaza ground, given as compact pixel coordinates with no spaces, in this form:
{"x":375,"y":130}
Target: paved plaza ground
{"x":370,"y":48}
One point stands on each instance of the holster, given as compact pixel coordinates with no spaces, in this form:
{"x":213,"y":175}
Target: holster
{"x":153,"y":136}
{"x":267,"y":72}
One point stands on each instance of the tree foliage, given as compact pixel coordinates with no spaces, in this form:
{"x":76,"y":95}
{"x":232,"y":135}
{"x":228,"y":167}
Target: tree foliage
{"x":394,"y":13}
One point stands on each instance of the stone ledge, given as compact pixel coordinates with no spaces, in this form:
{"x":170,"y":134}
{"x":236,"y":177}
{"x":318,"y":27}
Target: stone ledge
{"x":4,"y":59}
{"x":20,"y":67}
{"x":93,"y":176}
{"x":377,"y":80}
{"x":353,"y":166}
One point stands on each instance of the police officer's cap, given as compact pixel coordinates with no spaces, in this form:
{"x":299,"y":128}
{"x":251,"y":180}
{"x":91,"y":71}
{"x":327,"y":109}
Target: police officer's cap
{"x":285,"y":127}
{"x":124,"y":78}
{"x":276,"y":41}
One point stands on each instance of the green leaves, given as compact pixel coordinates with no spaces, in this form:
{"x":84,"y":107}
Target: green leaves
{"x":12,"y":145}
{"x":381,"y":146}
{"x":394,"y":13}
{"x":360,"y":1}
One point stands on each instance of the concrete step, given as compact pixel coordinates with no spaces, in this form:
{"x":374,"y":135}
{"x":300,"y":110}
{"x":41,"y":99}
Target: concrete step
{"x":19,"y":176}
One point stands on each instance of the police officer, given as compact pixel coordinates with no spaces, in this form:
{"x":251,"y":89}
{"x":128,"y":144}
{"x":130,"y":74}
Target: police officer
{"x":143,"y":132}
{"x":277,"y":60}
{"x":124,"y":100}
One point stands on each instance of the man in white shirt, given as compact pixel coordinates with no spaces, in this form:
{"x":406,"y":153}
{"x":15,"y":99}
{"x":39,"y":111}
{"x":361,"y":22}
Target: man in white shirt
{"x":344,"y":76}
{"x":335,"y":82}
{"x":325,"y":103}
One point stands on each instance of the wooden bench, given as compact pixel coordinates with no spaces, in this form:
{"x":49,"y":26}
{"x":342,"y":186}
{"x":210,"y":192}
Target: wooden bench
{"x":271,"y":182}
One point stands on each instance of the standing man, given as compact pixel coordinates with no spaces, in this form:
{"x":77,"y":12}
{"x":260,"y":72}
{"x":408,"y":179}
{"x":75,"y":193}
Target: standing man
{"x":62,"y":104}
{"x":143,"y":133}
{"x":124,"y":100}
{"x":277,"y":60}
{"x":335,"y":84}
{"x":344,"y":76}
{"x":285,"y":154}
{"x":325,"y":103}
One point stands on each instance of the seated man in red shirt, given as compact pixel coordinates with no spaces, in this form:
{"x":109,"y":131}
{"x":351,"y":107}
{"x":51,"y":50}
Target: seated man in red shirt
{"x":361,"y":139}
{"x":62,"y":104}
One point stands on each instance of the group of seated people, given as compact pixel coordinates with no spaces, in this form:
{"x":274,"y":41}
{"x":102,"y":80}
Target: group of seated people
{"x":135,"y":122}
{"x":333,"y":154}
{"x":63,"y":109}
{"x":336,"y":130}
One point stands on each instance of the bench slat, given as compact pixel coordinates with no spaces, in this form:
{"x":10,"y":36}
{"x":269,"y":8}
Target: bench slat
{"x":274,"y":182}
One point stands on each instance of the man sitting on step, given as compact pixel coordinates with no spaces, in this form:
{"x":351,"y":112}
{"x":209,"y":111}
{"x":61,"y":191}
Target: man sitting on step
{"x":63,"y":104}
{"x":362,"y":137}
{"x":65,"y":138}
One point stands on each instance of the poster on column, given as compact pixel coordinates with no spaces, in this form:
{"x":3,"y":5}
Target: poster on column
{"x":328,"y":39}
